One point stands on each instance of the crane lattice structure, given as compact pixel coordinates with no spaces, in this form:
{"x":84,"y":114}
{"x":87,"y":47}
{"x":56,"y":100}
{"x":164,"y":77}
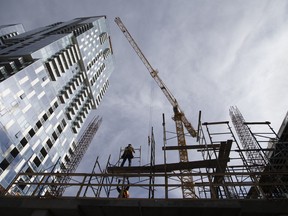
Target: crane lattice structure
{"x":51,"y":184}
{"x":247,"y":140}
{"x":262,"y":158}
{"x":179,"y":116}
{"x":81,"y":147}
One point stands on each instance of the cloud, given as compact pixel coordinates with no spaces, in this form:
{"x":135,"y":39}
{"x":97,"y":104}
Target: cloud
{"x":210,"y":54}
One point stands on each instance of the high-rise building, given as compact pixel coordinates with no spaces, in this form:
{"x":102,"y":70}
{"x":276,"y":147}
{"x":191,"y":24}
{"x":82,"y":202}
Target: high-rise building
{"x":50,"y":79}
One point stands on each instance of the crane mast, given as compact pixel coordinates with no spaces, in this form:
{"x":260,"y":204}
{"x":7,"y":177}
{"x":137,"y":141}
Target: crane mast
{"x":179,"y":117}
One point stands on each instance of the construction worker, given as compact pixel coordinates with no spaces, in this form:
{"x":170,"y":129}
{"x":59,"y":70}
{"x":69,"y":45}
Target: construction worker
{"x":123,"y":193}
{"x":127,"y":154}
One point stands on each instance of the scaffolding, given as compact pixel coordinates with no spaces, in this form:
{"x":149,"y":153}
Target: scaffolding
{"x":221,"y":170}
{"x":252,"y":148}
{"x":265,"y":150}
{"x":151,"y":142}
{"x":88,"y":184}
{"x":81,"y":147}
{"x":26,"y":179}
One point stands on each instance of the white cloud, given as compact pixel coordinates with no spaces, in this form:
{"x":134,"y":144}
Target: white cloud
{"x":210,"y":54}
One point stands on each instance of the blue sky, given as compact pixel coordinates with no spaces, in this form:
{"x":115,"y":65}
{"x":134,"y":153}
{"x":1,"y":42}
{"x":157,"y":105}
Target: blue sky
{"x":212,"y":54}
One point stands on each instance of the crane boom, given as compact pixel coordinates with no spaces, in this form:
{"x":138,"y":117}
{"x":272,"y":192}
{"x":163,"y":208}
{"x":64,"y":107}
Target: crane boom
{"x":188,"y":190}
{"x":158,"y":80}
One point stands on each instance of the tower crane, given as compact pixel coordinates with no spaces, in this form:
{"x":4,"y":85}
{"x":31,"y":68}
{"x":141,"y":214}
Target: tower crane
{"x":180,"y":119}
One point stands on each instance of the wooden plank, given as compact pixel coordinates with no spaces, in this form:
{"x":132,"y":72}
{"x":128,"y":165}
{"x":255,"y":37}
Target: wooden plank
{"x":161,"y":167}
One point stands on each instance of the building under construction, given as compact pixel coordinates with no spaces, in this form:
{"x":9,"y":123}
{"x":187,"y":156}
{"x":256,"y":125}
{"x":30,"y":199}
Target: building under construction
{"x":238,"y":168}
{"x":242,"y":173}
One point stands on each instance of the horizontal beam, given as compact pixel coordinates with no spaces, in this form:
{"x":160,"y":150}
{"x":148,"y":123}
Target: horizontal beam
{"x":250,"y":123}
{"x":267,"y":149}
{"x":215,"y":123}
{"x":213,"y":146}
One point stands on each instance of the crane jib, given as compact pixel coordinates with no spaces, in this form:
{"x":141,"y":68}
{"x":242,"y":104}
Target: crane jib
{"x":155,"y":76}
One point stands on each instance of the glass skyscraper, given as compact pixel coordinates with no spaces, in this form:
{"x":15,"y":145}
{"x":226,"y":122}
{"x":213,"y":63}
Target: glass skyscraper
{"x":50,"y":79}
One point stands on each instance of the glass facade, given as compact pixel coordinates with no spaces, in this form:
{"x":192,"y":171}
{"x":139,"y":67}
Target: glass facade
{"x":50,"y":80}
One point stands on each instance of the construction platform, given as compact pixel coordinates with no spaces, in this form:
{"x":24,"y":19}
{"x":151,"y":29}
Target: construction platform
{"x":33,"y":206}
{"x":161,"y":168}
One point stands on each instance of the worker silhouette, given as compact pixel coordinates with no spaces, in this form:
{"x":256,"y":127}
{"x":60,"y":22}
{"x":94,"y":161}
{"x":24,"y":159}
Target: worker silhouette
{"x":127,"y":154}
{"x":124,"y":190}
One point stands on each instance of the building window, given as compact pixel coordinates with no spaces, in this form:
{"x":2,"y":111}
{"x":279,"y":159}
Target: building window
{"x":61,"y":98}
{"x":39,"y":124}
{"x":56,"y":105}
{"x":31,"y":132}
{"x":70,"y":151}
{"x":64,"y":123}
{"x":14,"y":152}
{"x":103,"y":37}
{"x":21,"y":186}
{"x":45,"y":117}
{"x":54,"y":135}
{"x":4,"y":164}
{"x":36,"y":161}
{"x":23,"y":141}
{"x":67,"y":159}
{"x":74,"y":145}
{"x":106,"y":53}
{"x":50,"y":110}
{"x":59,"y":129}
{"x":43,"y":152}
{"x":49,"y":143}
{"x":29,"y":170}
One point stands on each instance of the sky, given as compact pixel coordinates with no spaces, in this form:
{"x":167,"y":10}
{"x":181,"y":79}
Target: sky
{"x":212,"y":54}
